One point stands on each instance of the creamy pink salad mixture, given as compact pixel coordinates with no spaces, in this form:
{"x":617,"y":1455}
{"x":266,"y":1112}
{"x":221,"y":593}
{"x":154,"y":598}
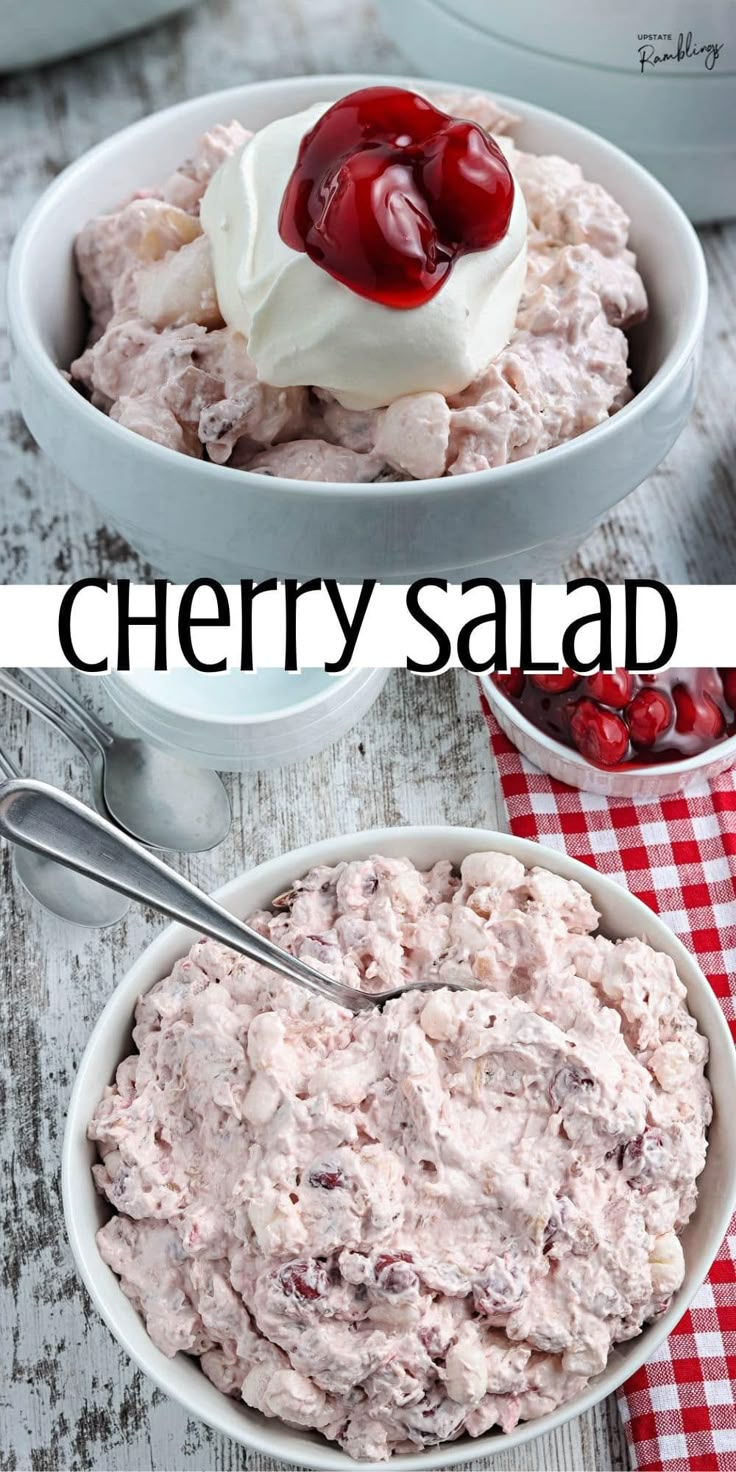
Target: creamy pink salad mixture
{"x":399,"y":1227}
{"x":161,"y":361}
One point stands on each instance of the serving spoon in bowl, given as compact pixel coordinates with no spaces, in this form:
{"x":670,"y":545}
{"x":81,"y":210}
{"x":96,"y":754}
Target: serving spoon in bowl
{"x":50,"y":822}
{"x":159,"y":798}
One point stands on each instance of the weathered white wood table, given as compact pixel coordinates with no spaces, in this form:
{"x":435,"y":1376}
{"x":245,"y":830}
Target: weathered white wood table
{"x":70,"y":1399}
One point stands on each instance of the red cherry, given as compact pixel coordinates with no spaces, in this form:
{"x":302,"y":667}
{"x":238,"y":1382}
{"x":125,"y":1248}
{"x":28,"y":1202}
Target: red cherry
{"x":610,"y":689}
{"x":555,"y":684}
{"x":328,"y":1179}
{"x":511,"y":684}
{"x":599,"y":735}
{"x":389,"y":191}
{"x":729,"y":686}
{"x":649,"y":716}
{"x":387,"y":1259}
{"x":467,"y":182}
{"x":697,"y":717}
{"x":305,"y":1280}
{"x":398,"y":236}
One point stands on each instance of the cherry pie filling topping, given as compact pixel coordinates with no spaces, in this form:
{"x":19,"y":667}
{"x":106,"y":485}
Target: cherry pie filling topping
{"x":622,"y":719}
{"x":389,"y":191}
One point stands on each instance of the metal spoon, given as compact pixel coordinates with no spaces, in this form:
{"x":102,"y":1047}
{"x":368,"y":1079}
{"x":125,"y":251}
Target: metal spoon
{"x":157,"y":797}
{"x":50,"y":822}
{"x":70,"y":896}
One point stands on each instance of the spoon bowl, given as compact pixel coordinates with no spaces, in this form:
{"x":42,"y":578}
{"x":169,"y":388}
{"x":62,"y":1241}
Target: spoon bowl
{"x":162,"y":800}
{"x":71,"y":897}
{"x":61,"y":891}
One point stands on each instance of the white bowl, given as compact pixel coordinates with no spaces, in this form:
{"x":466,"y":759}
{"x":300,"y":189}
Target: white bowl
{"x":43,"y":30}
{"x":186,"y":516}
{"x":85,"y":1210}
{"x":675,"y":118}
{"x":567,"y":765}
{"x":242,"y":722}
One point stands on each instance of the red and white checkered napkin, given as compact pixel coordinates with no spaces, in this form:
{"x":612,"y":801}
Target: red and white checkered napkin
{"x":678,"y":854}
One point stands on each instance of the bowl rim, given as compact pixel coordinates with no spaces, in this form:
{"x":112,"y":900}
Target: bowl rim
{"x":26,"y":339}
{"x":688,"y":764}
{"x":117,"y":1017}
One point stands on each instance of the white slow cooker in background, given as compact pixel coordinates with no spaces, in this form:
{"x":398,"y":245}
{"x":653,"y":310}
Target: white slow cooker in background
{"x":584,"y":59}
{"x":33,"y":32}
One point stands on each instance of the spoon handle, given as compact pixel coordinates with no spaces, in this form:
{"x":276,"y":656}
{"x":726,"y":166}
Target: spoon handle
{"x":7,"y":765}
{"x":70,"y":704}
{"x":79,"y":738}
{"x":50,"y":822}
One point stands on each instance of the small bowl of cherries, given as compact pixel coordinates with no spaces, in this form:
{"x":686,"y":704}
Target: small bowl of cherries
{"x":619,"y":733}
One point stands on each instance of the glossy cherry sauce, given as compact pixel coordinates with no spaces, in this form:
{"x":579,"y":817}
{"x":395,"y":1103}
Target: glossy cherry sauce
{"x":625,"y":719}
{"x":388,"y":192}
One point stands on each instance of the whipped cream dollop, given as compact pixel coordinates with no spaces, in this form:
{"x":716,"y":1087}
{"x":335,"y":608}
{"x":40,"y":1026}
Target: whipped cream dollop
{"x":304,"y":327}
